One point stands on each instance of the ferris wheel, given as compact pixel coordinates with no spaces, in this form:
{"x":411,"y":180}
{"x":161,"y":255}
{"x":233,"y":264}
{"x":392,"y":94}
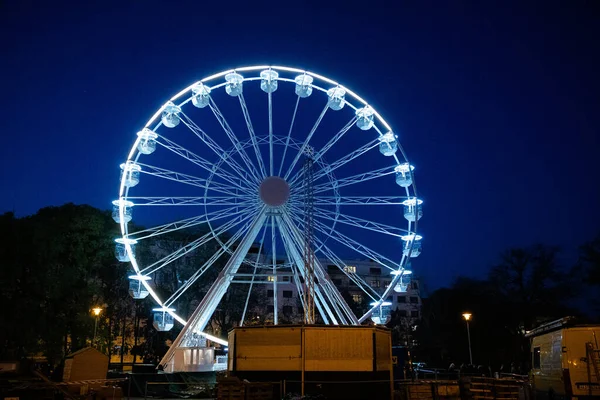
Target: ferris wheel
{"x":258,"y":160}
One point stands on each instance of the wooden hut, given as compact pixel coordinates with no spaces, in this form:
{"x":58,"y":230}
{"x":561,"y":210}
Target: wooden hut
{"x":85,"y":364}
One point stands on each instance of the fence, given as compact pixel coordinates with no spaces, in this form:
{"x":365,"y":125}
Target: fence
{"x":45,"y":389}
{"x":426,"y":390}
{"x":467,"y":388}
{"x":342,"y":389}
{"x":192,"y":390}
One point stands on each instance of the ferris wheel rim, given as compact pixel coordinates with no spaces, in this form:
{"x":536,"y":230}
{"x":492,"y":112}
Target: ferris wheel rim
{"x":124,"y":190}
{"x":273,"y":67}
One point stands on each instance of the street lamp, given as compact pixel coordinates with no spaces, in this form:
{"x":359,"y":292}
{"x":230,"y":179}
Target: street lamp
{"x":467,"y":317}
{"x":96,"y":311}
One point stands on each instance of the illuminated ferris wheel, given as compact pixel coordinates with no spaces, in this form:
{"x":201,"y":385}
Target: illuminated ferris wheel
{"x":242,"y":156}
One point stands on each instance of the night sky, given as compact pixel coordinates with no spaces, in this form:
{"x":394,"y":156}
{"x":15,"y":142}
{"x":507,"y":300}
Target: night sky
{"x":496,"y":104}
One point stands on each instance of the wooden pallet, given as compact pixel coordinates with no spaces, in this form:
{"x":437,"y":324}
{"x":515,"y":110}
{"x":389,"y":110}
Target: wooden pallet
{"x":478,"y":388}
{"x":258,"y":391}
{"x":420,"y":392}
{"x":231,"y":392}
{"x":230,"y":389}
{"x":234,"y":389}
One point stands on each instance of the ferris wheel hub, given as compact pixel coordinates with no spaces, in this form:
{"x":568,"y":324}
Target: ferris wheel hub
{"x":274,"y":191}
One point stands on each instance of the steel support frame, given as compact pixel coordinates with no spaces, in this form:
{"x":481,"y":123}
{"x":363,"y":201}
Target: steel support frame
{"x":200,"y":317}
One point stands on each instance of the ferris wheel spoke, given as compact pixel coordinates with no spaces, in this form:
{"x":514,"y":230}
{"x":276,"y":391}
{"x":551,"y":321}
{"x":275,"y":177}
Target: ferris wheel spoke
{"x":297,"y":275}
{"x":293,"y":243}
{"x":139,"y":201}
{"x":353,"y":180}
{"x":192,"y":279}
{"x":341,"y":162}
{"x":294,"y":202}
{"x":234,"y":140}
{"x":270,"y":105}
{"x":357,"y":279}
{"x":218,"y":150}
{"x":334,"y":139}
{"x":361,"y":223}
{"x":182,"y":251}
{"x":262,"y":241}
{"x":246,"y":113}
{"x":287,"y":141}
{"x":319,"y":154}
{"x":191,"y":180}
{"x":185,"y":223}
{"x":354,"y":245}
{"x":209,"y":166}
{"x":385,"y":295}
{"x":201,"y":315}
{"x":305,"y":144}
{"x":339,"y":307}
{"x":359,"y":200}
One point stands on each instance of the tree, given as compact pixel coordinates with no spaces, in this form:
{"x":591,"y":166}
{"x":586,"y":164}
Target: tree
{"x":54,"y":260}
{"x":589,"y":259}
{"x":533,"y":284}
{"x":527,"y":287}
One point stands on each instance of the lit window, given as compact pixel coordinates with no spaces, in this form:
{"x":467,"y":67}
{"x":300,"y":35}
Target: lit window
{"x":375,"y":283}
{"x":350,"y":269}
{"x":357,"y":298}
{"x":386,"y":283}
{"x":271,"y":278}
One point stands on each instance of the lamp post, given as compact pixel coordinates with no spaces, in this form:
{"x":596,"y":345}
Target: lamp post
{"x":96,"y":311}
{"x":467,"y":317}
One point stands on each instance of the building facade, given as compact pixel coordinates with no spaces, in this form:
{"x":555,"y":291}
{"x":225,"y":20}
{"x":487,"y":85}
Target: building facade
{"x":405,"y":299}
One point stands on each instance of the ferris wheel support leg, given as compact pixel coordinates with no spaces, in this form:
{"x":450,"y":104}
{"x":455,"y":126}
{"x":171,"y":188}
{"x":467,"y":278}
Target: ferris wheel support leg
{"x":294,"y":245}
{"x":202,"y":314}
{"x":293,"y":253}
{"x":334,"y":296}
{"x":342,"y":309}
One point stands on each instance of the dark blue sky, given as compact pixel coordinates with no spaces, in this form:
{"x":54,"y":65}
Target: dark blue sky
{"x":496,"y":104}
